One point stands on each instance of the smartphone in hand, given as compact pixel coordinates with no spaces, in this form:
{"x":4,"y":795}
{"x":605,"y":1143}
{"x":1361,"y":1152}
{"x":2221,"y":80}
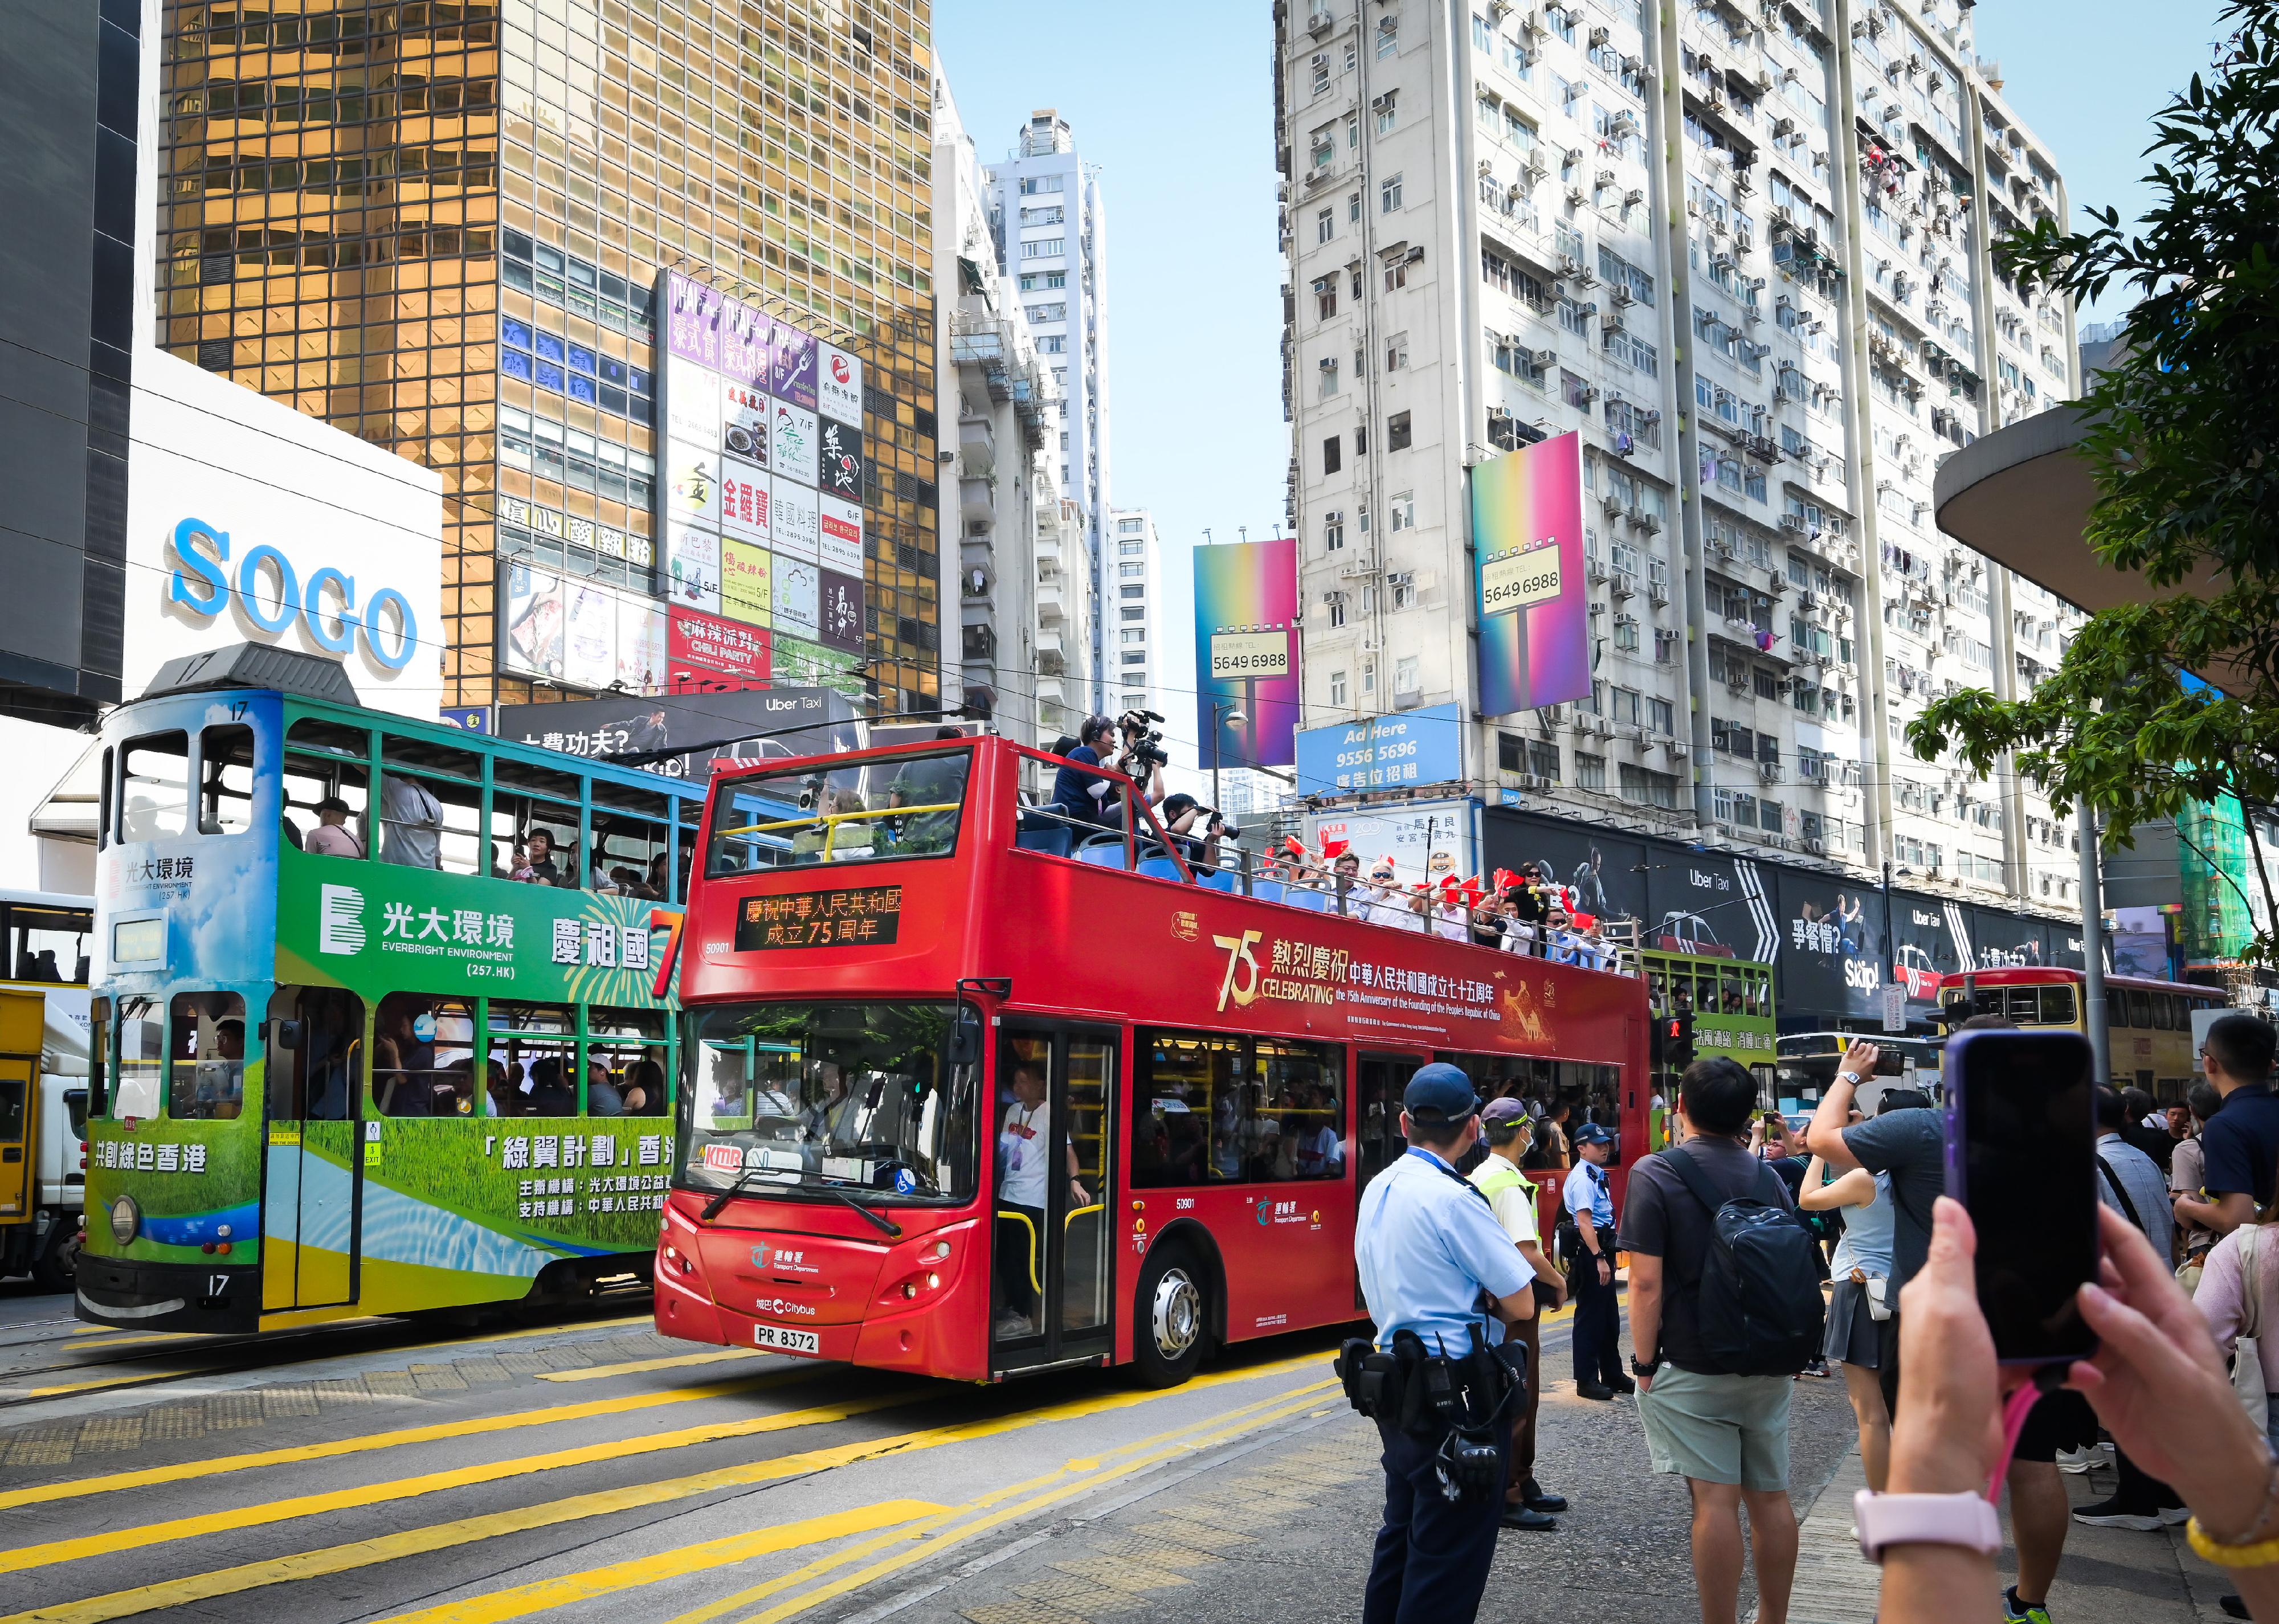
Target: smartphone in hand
{"x":2021,"y":1156}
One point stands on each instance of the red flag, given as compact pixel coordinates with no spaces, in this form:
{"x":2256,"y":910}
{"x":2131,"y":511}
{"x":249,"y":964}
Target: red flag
{"x":1331,"y":850}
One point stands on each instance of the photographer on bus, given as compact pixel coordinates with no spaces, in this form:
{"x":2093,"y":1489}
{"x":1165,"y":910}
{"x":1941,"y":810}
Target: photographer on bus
{"x":1141,"y":758}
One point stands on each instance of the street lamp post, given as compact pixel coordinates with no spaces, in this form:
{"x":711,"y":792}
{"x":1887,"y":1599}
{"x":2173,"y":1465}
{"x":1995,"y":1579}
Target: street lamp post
{"x":1223,"y":711}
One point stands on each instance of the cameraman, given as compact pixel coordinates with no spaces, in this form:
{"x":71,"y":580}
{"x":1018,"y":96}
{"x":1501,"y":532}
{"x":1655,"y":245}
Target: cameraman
{"x":1194,"y":829}
{"x":1141,"y":758}
{"x":1081,"y":796}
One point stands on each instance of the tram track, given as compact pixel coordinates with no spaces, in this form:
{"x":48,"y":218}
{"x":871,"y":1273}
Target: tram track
{"x":186,"y":1357}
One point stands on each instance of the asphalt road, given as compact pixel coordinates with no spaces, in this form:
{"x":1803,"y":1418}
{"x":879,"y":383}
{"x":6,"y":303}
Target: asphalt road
{"x":587,"y":1468}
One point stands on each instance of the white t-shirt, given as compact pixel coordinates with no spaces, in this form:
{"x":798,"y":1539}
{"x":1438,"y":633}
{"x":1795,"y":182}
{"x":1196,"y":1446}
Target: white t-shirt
{"x":412,"y":820}
{"x":1023,"y":1139}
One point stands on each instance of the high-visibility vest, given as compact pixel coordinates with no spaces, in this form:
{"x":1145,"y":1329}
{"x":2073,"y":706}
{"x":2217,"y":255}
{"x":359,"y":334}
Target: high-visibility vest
{"x":1495,"y":1176}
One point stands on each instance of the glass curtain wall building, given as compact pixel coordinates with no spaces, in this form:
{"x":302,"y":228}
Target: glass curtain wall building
{"x":438,"y":225}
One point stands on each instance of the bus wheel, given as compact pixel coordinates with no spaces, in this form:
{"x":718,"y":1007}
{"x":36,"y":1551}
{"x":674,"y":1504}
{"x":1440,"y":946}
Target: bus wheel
{"x":1173,"y":1322}
{"x":59,"y":1262}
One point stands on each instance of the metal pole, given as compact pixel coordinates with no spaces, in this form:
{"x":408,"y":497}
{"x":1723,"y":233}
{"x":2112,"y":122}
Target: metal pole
{"x":1890,"y":946}
{"x":2093,"y":948}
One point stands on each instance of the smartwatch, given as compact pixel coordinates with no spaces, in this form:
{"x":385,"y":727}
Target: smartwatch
{"x":1886,"y":1519}
{"x":1852,"y":1077}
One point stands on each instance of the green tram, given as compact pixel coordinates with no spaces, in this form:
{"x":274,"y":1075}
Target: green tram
{"x":1704,"y":1005}
{"x":375,"y":1025}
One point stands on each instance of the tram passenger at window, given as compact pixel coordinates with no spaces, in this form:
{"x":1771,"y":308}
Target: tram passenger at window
{"x":644,"y":1091}
{"x":603,"y":1096}
{"x":550,"y":1092}
{"x":404,"y":1059}
{"x":410,"y":823}
{"x":505,"y":1091}
{"x":537,"y":865}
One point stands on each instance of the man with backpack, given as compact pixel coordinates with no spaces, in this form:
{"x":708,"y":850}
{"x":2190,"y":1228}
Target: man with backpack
{"x":1725,"y":1310}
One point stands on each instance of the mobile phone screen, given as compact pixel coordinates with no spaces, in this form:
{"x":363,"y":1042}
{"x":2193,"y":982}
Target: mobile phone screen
{"x":2026,"y":1118}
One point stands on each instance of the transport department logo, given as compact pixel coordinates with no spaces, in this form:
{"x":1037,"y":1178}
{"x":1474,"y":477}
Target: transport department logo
{"x":340,"y":919}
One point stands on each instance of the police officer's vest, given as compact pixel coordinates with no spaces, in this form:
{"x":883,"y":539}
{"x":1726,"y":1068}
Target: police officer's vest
{"x":1493,"y":1184}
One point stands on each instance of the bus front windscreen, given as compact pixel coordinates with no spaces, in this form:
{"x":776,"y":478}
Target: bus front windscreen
{"x":790,"y":1097}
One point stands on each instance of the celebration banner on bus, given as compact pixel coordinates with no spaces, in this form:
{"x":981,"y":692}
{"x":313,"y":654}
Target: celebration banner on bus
{"x":1532,"y":601}
{"x":1247,"y":654}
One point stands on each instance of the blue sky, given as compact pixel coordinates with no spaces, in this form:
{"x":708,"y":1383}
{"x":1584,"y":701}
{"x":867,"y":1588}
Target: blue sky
{"x":1174,"y":103}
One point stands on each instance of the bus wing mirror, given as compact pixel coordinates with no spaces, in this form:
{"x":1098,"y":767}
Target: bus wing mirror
{"x":285,"y":1035}
{"x":965,"y":1040}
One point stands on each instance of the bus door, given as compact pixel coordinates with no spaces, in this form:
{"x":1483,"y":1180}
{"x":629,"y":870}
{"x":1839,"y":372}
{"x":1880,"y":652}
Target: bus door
{"x":314,"y":1041}
{"x":21,"y":1029}
{"x":1053,"y":1266}
{"x":1380,"y":1080}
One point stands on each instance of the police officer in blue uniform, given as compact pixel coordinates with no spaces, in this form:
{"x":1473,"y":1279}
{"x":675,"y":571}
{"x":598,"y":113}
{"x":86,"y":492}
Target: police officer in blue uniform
{"x":1437,"y":1268}
{"x":1590,"y":1269}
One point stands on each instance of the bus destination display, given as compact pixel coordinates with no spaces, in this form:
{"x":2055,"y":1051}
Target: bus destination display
{"x":863,"y":915}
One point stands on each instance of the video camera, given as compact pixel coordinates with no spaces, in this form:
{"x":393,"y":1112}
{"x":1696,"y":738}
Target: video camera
{"x":1143,"y":741}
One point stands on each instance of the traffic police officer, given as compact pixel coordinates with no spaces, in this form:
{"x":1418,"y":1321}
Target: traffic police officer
{"x":1433,"y":1260}
{"x":1590,"y":1271}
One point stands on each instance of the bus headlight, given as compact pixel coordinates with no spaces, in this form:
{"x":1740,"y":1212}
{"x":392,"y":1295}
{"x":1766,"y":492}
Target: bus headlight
{"x":125,"y":1220}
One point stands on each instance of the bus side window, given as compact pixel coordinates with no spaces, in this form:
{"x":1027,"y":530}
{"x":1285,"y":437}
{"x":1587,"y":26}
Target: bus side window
{"x":535,"y":1048}
{"x":423,"y":1056}
{"x":226,"y":779}
{"x":206,"y":1065}
{"x":431,"y":799}
{"x":325,"y":761}
{"x":98,"y":1057}
{"x":103,"y":813}
{"x":2025,"y":1006}
{"x":2140,"y":1009}
{"x":155,"y":787}
{"x":141,"y":1046}
{"x":2164,"y":1012}
{"x":2058,"y":1006}
{"x":629,"y":842}
{"x":533,"y":833}
{"x":1299,"y":1121}
{"x":312,"y":1046}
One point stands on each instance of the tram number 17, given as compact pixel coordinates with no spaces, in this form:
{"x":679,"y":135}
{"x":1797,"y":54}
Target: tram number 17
{"x":217,"y":1285}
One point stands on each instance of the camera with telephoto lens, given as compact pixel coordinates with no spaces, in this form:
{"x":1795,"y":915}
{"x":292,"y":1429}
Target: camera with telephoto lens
{"x":1143,"y":741}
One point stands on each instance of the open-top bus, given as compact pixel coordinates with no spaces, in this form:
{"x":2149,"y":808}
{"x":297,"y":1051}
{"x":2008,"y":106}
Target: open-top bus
{"x":972,"y":1089}
{"x":344,"y":1063}
{"x":2148,"y":1022}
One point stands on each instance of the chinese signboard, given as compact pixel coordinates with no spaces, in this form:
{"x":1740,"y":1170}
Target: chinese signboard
{"x":1415,"y":746}
{"x":705,"y":652}
{"x":868,"y":915}
{"x":763,"y":471}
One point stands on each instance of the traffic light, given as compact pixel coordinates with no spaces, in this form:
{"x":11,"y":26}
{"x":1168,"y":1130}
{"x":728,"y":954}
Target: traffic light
{"x":1673,"y":1039}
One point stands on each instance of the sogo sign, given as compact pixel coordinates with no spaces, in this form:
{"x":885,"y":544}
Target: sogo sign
{"x":271,"y":596}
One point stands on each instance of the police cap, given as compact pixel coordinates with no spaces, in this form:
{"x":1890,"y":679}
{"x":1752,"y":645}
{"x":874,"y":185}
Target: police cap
{"x":1440,"y":1092}
{"x":1592,"y":1133}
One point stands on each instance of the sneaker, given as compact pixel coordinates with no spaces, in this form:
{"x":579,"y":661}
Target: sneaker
{"x":2110,"y":1514}
{"x":2015,"y":1611}
{"x":2173,"y":1514}
{"x":2082,"y":1459}
{"x":1593,"y":1390}
{"x":1011,"y":1325}
{"x":1818,"y":1367}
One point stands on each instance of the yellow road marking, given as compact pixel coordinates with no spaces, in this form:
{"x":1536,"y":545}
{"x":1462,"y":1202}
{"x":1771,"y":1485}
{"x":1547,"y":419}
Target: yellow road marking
{"x":59,"y":1389}
{"x":26,"y":1557}
{"x":185,"y":1469}
{"x":1051,"y":1487}
{"x":448,"y":1535}
{"x":636,"y":1365}
{"x":126,"y":1341}
{"x":522,"y":1600}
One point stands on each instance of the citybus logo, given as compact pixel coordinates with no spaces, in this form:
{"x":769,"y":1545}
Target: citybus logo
{"x":270,"y":597}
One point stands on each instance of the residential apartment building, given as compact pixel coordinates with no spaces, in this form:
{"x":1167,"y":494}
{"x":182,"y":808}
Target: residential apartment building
{"x":996,"y":387}
{"x":1052,"y":238}
{"x":1743,"y":251}
{"x":441,"y":227}
{"x":1136,"y":676}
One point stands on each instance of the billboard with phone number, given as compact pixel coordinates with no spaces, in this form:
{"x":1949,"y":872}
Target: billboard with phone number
{"x":1247,"y":654}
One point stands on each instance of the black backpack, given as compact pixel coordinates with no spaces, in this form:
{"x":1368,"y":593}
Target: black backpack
{"x":1760,"y":1311}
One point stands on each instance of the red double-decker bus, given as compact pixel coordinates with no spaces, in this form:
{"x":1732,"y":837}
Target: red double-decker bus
{"x":973,"y":1085}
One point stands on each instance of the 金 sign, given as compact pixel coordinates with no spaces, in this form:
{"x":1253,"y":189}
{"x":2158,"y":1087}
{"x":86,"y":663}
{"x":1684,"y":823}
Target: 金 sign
{"x":859,"y":916}
{"x":1251,"y":651}
{"x":1516,"y":579}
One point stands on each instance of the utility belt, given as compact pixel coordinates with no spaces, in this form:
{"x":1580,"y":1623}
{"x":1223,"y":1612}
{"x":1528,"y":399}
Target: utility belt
{"x":1465,"y":1402}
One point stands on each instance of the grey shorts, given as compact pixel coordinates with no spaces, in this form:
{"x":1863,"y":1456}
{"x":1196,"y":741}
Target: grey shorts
{"x":1718,"y":1429}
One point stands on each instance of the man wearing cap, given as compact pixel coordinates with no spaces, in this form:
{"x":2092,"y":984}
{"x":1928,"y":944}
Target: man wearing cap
{"x":1504,"y":1124}
{"x":1590,"y":1271}
{"x":1433,"y":1260}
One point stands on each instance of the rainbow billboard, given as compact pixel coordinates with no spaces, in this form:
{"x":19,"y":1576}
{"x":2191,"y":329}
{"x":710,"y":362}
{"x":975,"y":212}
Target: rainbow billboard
{"x":1246,"y":654}
{"x":1534,"y":612}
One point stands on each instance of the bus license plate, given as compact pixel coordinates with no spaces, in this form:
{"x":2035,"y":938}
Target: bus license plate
{"x":783,"y":1339}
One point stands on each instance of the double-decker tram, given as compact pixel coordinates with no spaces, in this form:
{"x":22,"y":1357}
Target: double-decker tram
{"x":2148,"y":1022}
{"x":374,"y":1027}
{"x":975,"y":1084}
